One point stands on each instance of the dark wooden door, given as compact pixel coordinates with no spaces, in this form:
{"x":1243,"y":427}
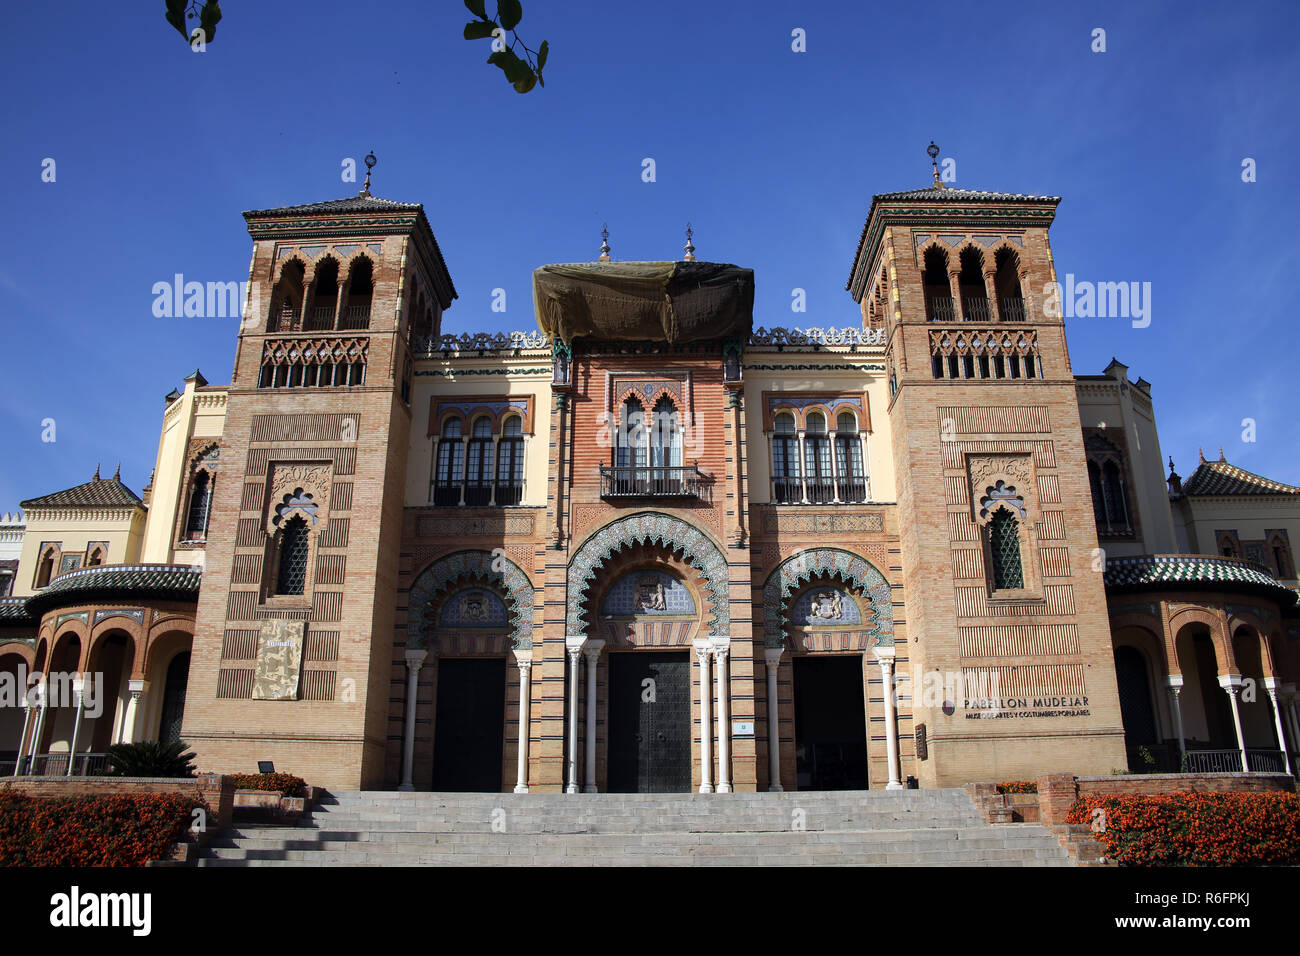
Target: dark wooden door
{"x":649,"y":723}
{"x":830,"y":723}
{"x":468,"y":743}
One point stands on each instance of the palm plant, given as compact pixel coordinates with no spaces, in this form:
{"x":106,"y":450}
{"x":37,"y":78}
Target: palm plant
{"x":151,"y":758}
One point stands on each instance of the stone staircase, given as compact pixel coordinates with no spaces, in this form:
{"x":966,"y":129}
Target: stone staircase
{"x":884,"y":828}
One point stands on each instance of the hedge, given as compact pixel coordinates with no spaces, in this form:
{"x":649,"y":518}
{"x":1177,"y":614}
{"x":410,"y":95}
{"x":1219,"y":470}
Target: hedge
{"x":1194,"y":829}
{"x":114,"y":830}
{"x":285,"y":783}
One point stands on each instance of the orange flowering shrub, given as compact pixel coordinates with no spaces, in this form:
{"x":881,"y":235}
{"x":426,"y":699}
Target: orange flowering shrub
{"x":116,"y":830}
{"x":285,"y":783}
{"x":1018,"y":786}
{"x":1194,"y":829}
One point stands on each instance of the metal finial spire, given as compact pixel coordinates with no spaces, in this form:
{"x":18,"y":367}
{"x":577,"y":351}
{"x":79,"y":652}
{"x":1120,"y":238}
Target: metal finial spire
{"x":370,"y":164}
{"x":96,"y":478}
{"x":117,"y":475}
{"x":604,"y":242}
{"x":933,"y":152}
{"x":690,"y":246}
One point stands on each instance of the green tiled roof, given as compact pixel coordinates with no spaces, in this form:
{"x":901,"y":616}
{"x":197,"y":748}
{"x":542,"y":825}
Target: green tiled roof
{"x":14,"y":610}
{"x":176,"y":582}
{"x":1193,"y":572}
{"x":953,"y":194}
{"x":1221,"y":478}
{"x":96,"y":493}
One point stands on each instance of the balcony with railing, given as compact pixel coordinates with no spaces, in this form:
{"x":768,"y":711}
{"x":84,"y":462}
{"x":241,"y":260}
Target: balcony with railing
{"x":480,"y":494}
{"x":652,"y":481}
{"x":821,"y":491}
{"x":975,"y":308}
{"x":56,"y":765}
{"x":939,"y":308}
{"x":355,"y":317}
{"x":1012,"y":309}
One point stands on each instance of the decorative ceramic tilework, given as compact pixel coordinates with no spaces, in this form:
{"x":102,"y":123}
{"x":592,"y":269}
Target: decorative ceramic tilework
{"x":473,"y":607}
{"x":135,"y":614}
{"x":645,"y":528}
{"x":802,"y":568}
{"x":825,"y":607}
{"x":647,"y":592}
{"x":463,"y":567}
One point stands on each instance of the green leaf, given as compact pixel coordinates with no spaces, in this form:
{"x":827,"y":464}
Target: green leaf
{"x":510,"y":12}
{"x":527,"y":83}
{"x":476,"y":7}
{"x":479,"y":29}
{"x":176,"y":16}
{"x":514,"y":68}
{"x":209,"y":17}
{"x":542,"y":53}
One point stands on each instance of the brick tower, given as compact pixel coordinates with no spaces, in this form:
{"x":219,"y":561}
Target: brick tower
{"x":293,"y":655}
{"x":1013,"y":671}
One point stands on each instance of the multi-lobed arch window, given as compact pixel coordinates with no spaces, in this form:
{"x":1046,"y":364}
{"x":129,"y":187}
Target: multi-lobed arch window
{"x":974,"y":288}
{"x":648,"y":452}
{"x":199,"y":513}
{"x":813,"y":465}
{"x":482,"y":468}
{"x":330,"y":299}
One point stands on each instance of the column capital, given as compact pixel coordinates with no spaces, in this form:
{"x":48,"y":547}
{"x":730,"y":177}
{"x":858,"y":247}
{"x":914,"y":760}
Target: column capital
{"x":1231,"y":682}
{"x":1175,"y":682}
{"x":721,"y":644}
{"x":1272,"y":684}
{"x":773,"y":655}
{"x":415,"y":660}
{"x":884,"y":655}
{"x":592,"y":647}
{"x":703,"y":647}
{"x":523,"y":657}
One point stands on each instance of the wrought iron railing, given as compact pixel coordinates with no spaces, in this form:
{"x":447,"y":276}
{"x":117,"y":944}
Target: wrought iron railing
{"x":975,"y":308}
{"x":939,"y":308}
{"x":1265,"y":761}
{"x":651,"y":481}
{"x":1012,"y":309}
{"x":820,"y":491}
{"x":355,"y":317}
{"x":1212,"y":761}
{"x":476,"y":493}
{"x":56,"y":765}
{"x":321,"y":319}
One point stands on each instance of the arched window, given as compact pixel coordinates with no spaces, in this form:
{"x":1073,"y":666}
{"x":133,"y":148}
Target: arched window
{"x":974,"y":296}
{"x":1116,"y":501}
{"x":479,"y":464}
{"x":360,"y":290}
{"x":817,"y":461}
{"x":510,"y":462}
{"x":665,"y":449}
{"x":292,"y":572}
{"x":630,"y":452}
{"x":1004,"y":551}
{"x":324,"y":296}
{"x":286,"y":299}
{"x":45,"y":568}
{"x":934,"y":281}
{"x":96,"y":557}
{"x":1006,"y":284}
{"x":850,"y":476}
{"x":196,"y":522}
{"x":1098,"y":496}
{"x":449,"y":472}
{"x":1283,"y":566}
{"x":173,"y":707}
{"x":787,"y":486}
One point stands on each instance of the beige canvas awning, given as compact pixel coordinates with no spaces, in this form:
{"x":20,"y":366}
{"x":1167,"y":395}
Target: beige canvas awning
{"x":644,"y":301}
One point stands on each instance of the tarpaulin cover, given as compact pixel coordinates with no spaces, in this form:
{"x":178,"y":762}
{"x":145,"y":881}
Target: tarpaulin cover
{"x":644,"y":301}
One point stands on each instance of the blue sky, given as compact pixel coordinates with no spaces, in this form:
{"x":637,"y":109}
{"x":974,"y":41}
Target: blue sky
{"x":772,"y":155}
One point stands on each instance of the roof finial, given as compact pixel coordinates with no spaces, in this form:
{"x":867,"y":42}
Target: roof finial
{"x":370,"y":164}
{"x":933,"y":152}
{"x":690,"y":246}
{"x":1200,"y":450}
{"x":96,"y":478}
{"x":604,"y":242}
{"x":117,"y":475}
{"x":1221,"y":458}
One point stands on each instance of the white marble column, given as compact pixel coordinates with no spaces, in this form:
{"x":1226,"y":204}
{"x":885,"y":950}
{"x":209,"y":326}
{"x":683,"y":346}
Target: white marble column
{"x":78,"y":689}
{"x":772,"y":655}
{"x":592,"y":652}
{"x":885,"y":656}
{"x":414,"y":661}
{"x":573,"y":647}
{"x":28,"y":710}
{"x":42,"y":705}
{"x":1175,"y":687}
{"x":703,"y":654}
{"x":1289,"y":711}
{"x":1231,"y":684}
{"x":139,"y":691}
{"x":1271,"y":685}
{"x":524,"y":661}
{"x":721,"y":649}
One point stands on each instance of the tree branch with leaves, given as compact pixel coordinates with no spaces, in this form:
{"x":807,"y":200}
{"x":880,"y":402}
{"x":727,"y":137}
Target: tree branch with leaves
{"x":523,"y":73}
